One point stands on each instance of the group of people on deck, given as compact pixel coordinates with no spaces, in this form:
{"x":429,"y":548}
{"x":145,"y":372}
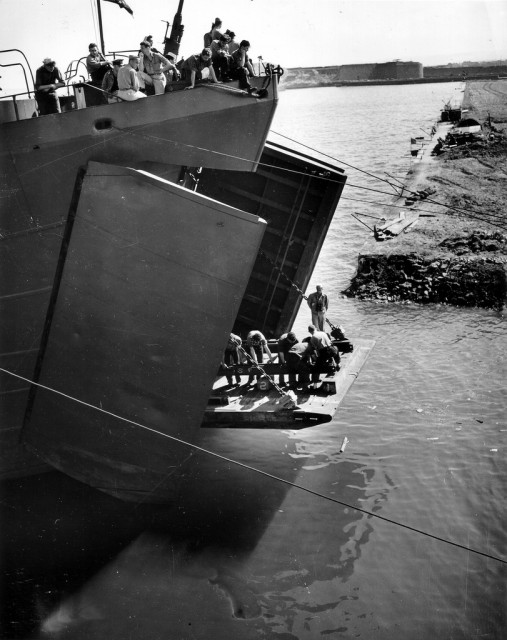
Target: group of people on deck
{"x":302,"y":359}
{"x":147,"y":71}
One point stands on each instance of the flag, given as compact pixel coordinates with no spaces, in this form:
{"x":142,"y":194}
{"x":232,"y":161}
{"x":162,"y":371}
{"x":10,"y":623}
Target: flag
{"x":123,"y":5}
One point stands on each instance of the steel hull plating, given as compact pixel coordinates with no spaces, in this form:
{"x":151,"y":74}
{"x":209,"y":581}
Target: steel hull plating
{"x":133,"y":296}
{"x":138,"y":319}
{"x":39,"y":161}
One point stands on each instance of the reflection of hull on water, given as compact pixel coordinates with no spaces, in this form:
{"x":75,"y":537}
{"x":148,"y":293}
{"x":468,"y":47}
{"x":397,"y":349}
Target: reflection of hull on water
{"x":151,"y":276}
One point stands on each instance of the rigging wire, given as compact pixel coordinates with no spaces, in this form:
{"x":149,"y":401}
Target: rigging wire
{"x":126,"y":131}
{"x":472,"y":214}
{"x":94,"y":19}
{"x":258,"y":471}
{"x":459,"y":210}
{"x":326,"y":155}
{"x":385,"y":204}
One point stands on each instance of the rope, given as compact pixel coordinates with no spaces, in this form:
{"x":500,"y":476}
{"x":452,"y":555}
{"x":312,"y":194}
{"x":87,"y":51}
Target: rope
{"x":260,"y":472}
{"x":106,"y":93}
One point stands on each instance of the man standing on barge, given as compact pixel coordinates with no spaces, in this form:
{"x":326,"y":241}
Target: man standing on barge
{"x":318,"y":303}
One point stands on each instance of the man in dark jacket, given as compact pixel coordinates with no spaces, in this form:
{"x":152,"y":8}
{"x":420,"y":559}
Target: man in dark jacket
{"x":47,"y":80}
{"x":240,"y":67}
{"x":96,"y":65}
{"x":110,"y":81}
{"x":318,"y":303}
{"x":193,"y":67}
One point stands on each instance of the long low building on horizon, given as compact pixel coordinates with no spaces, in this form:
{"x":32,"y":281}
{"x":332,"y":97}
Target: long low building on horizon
{"x":384,"y":71}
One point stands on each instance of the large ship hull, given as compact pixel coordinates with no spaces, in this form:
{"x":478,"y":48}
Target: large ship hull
{"x":151,"y":436}
{"x":169,"y":135}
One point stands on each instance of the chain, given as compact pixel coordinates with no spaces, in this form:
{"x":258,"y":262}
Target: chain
{"x":293,"y":284}
{"x":275,"y":266}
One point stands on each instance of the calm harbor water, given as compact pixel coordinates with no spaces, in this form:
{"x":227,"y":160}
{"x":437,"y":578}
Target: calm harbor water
{"x":426,"y":424}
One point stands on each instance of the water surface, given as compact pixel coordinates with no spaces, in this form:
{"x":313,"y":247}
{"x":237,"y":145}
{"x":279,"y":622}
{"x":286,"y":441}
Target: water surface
{"x":426,"y":424}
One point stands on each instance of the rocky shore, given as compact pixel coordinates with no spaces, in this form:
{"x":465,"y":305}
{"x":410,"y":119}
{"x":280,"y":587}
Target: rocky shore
{"x":453,"y":244}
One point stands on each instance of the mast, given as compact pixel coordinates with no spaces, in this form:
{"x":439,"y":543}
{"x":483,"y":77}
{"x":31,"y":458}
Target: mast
{"x":101,"y":31}
{"x":172,"y":44}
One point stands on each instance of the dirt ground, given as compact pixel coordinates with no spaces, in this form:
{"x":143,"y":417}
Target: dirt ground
{"x":464,"y":219}
{"x":470,"y":181}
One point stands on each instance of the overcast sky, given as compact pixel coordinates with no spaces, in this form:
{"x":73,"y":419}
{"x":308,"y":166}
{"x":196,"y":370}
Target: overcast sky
{"x":287,"y":32}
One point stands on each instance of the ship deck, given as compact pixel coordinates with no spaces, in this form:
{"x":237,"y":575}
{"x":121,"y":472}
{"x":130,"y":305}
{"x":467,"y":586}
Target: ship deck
{"x":247,"y":406}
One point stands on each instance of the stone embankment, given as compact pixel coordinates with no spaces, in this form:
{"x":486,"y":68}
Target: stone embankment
{"x":455,"y":249}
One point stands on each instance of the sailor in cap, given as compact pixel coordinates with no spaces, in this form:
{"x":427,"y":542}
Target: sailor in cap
{"x":110,"y":81}
{"x":47,"y":80}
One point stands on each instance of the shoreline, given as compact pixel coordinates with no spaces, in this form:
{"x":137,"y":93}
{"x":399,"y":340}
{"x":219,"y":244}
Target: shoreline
{"x":363,"y":83}
{"x":452,"y":243}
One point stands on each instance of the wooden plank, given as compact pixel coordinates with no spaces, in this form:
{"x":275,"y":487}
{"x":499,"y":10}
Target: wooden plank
{"x":395,"y":227}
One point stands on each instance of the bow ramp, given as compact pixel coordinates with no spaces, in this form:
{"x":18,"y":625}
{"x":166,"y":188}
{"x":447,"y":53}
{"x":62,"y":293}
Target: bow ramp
{"x":149,"y":282}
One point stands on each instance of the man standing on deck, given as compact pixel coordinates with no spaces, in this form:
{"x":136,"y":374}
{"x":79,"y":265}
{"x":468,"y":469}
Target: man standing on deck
{"x":318,"y":303}
{"x":153,"y":66}
{"x":47,"y":80}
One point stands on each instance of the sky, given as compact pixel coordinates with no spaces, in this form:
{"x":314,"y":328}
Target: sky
{"x":291,"y":33}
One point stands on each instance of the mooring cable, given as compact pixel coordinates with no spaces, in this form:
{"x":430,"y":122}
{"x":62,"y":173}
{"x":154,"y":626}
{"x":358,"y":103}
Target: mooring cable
{"x":326,"y":155}
{"x":474,"y":214}
{"x":258,"y":471}
{"x":130,"y":132}
{"x":441,"y":204}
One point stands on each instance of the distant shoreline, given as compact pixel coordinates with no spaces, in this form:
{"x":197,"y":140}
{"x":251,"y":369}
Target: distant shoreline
{"x":457,"y":253}
{"x":357,"y":83}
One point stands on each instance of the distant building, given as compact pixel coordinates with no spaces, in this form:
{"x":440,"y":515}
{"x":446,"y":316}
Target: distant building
{"x":394,"y":71}
{"x":469,"y":71}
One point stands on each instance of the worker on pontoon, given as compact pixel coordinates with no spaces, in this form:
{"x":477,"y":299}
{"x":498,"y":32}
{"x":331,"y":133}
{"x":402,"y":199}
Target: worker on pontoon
{"x":319,"y":304}
{"x":232,"y":358}
{"x":326,"y":353}
{"x":257,"y":346}
{"x":285,"y":343}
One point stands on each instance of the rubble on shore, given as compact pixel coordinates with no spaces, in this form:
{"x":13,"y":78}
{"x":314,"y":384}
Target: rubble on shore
{"x":455,"y":250}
